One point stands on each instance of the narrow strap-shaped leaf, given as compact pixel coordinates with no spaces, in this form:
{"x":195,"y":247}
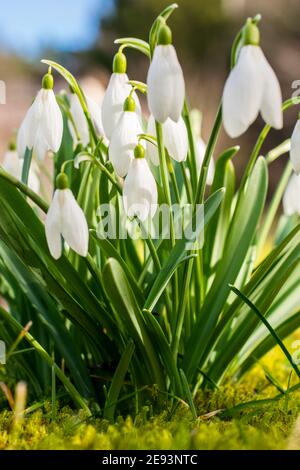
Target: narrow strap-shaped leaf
{"x":188,"y":394}
{"x":117,"y":382}
{"x":178,"y":253}
{"x":268,"y":326}
{"x":239,"y":238}
{"x":45,"y":356}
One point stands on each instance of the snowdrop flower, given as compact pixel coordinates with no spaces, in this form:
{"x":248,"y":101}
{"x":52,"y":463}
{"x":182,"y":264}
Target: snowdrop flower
{"x":14,"y":165}
{"x":291,"y":197}
{"x":117,"y":91}
{"x":80,"y":119}
{"x":166,"y":88}
{"x":295,"y":148}
{"x":125,"y":138}
{"x":140,"y":191}
{"x":175,"y":139}
{"x":42,"y":127}
{"x":251,"y":87}
{"x":66,"y":219}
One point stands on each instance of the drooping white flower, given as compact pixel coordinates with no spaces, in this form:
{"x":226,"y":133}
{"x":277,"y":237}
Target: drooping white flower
{"x":140,"y":190}
{"x":166,"y":88}
{"x":251,"y":87}
{"x":117,"y":91}
{"x":291,"y":197}
{"x":125,"y":138}
{"x":42,"y":127}
{"x":295,"y":148}
{"x":66,"y":219}
{"x":80,"y":119}
{"x":14,"y":165}
{"x":175,"y":139}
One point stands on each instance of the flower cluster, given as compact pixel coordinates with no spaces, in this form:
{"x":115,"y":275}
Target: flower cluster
{"x":251,"y":87}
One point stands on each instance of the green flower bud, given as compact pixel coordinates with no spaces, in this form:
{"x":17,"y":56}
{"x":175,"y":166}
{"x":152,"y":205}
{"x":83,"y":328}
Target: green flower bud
{"x":109,"y":166}
{"x":119,"y":63}
{"x":164,"y":35}
{"x":12,"y":146}
{"x":62,"y":181}
{"x":48,"y":82}
{"x":139,"y":151}
{"x":129,"y":104}
{"x":251,"y":33}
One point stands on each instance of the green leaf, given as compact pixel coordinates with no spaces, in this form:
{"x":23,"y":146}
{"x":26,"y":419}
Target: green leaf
{"x":218,"y":226}
{"x":78,"y":400}
{"x":50,"y":319}
{"x":117,"y":382}
{"x":129,"y":318}
{"x":239,"y":238}
{"x":111,"y":252}
{"x":188,"y":394}
{"x":268,"y":326}
{"x":179,"y":252}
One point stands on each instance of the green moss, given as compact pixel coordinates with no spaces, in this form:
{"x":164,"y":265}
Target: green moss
{"x":266,"y":428}
{"x":272,"y":426}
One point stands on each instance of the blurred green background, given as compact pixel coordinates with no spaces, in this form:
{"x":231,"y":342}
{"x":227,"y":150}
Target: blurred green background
{"x":80,"y":35}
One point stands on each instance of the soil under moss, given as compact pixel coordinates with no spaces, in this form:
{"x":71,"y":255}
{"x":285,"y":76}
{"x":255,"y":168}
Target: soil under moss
{"x":271,"y":425}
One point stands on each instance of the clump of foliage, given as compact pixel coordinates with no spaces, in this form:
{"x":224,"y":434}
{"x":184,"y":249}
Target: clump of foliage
{"x":135,"y":322}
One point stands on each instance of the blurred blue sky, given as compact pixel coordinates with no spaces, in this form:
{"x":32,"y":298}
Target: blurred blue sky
{"x":28,"y":26}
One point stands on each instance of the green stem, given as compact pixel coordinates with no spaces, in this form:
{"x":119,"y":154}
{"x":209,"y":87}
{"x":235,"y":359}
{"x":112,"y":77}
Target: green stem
{"x":25,"y":190}
{"x":273,"y":207}
{"x":187,"y":184}
{"x":174,"y":184}
{"x":192,"y":150}
{"x":261,"y":138}
{"x":109,"y":175}
{"x":207,"y":157}
{"x":166,"y":188}
{"x":164,"y":174}
{"x":181,"y":309}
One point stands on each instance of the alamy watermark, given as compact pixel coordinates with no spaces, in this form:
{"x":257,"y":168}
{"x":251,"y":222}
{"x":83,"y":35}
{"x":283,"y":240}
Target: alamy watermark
{"x":181,"y":222}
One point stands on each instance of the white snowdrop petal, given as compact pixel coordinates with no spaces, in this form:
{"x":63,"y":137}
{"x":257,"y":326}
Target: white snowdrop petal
{"x":22,"y":138}
{"x":271,"y":103}
{"x":176,"y":139}
{"x":40,"y":147}
{"x":242,"y":93}
{"x":53,"y":227}
{"x":160,"y":85}
{"x":178,"y":88}
{"x":96,"y":115}
{"x":51,"y":121}
{"x":74,"y":226}
{"x":123,"y":141}
{"x":34,"y":117}
{"x":291,"y":197}
{"x":151,"y":149}
{"x":13,"y":164}
{"x":140,"y":191}
{"x":295,"y":148}
{"x":112,"y":106}
{"x":79,"y":120}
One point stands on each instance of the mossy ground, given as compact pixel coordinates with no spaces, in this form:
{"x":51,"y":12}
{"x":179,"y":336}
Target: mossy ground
{"x":272,"y":426}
